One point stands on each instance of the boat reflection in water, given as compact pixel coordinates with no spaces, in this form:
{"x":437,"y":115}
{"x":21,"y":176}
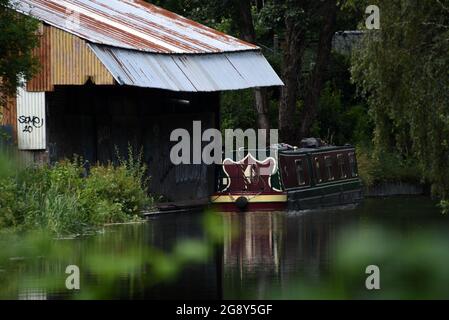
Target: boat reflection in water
{"x":253,"y":256}
{"x":272,"y":250}
{"x":294,"y":255}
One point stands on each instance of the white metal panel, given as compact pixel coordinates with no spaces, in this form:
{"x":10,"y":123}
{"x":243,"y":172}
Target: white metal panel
{"x":186,"y":72}
{"x":253,"y":67}
{"x":31,"y":120}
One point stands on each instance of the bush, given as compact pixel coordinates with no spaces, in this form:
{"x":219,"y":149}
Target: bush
{"x":60,"y":199}
{"x":386,"y":167}
{"x":119,"y":186}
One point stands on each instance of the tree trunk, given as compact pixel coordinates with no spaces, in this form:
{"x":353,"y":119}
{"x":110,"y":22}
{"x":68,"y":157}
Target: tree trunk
{"x":309,"y":111}
{"x":248,"y":33}
{"x":291,"y":70}
{"x":263,"y":121}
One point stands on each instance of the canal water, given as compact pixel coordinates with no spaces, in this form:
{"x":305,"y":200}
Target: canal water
{"x":264,"y":256}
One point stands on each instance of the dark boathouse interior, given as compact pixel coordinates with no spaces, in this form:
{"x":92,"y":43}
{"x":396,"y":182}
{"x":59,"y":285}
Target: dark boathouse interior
{"x":101,"y":124}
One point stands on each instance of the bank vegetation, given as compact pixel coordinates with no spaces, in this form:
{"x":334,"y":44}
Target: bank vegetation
{"x":68,"y":198}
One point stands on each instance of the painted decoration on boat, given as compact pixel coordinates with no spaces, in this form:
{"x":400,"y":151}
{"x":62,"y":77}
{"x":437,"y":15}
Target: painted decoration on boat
{"x":250,"y":175}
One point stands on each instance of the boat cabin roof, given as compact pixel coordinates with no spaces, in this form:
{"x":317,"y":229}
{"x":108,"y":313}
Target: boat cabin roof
{"x":289,"y":150}
{"x":315,"y":150}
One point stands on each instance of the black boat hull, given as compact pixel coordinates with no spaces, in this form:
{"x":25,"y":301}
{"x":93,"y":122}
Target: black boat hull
{"x":341,"y":194}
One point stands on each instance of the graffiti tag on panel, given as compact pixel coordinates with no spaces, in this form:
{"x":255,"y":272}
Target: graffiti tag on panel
{"x":30,"y":123}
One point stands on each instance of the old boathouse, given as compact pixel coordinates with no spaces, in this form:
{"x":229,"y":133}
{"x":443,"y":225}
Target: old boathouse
{"x":125,"y":72}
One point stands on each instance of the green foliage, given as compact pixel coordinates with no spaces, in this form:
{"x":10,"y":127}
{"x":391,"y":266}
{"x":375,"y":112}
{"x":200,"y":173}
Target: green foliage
{"x":402,"y":70}
{"x":60,"y":200}
{"x":9,"y":216}
{"x":216,"y":14}
{"x":17,"y":40}
{"x":237,"y":110}
{"x":118,"y":185}
{"x":6,"y":165}
{"x":339,"y":122}
{"x":444,"y":205}
{"x":376,"y":168}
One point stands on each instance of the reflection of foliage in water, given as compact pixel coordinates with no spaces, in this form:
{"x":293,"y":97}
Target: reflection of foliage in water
{"x":112,"y":264}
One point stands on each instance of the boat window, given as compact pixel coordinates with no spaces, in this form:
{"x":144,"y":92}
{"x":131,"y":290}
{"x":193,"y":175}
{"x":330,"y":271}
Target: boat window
{"x":328,"y":163}
{"x":352,"y":164}
{"x":318,"y":170}
{"x":341,"y":166}
{"x":300,"y":172}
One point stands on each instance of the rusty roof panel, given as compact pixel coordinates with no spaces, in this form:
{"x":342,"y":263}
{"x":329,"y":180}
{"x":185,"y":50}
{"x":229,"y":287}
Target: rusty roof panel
{"x":190,"y":73}
{"x":66,"y":59}
{"x":73,"y":62}
{"x":131,"y":24}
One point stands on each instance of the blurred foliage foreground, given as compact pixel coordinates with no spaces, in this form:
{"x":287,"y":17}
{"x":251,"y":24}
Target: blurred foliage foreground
{"x":411,"y":267}
{"x":120,"y":263}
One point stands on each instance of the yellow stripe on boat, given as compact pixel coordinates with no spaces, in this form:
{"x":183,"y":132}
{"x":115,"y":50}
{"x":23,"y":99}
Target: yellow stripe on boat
{"x":251,"y":199}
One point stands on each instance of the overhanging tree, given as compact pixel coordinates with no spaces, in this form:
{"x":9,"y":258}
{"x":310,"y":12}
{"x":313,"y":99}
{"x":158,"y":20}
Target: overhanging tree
{"x":403,"y":70}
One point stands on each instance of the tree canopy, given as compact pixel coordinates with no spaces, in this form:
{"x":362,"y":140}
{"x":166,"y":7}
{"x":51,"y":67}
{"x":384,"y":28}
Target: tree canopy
{"x":17,"y":40}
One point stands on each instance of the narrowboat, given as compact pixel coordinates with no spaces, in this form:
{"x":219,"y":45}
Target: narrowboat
{"x":312,"y":176}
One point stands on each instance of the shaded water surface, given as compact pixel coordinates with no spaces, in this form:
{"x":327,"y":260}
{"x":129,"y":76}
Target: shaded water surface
{"x":267,"y":252}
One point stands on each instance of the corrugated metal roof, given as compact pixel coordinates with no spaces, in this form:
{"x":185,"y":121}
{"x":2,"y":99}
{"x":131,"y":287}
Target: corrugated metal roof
{"x":131,"y":24}
{"x":190,"y":73}
{"x":143,"y":45}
